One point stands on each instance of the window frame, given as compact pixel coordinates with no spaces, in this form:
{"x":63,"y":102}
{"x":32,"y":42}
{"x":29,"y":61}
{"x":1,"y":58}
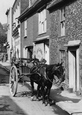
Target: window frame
{"x":62,"y":22}
{"x":42,"y":21}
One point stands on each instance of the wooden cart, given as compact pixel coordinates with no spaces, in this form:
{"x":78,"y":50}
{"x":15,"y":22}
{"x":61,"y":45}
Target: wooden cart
{"x":19,"y":69}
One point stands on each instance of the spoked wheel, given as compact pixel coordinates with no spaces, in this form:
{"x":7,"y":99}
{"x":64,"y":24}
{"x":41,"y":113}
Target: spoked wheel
{"x":13,"y":80}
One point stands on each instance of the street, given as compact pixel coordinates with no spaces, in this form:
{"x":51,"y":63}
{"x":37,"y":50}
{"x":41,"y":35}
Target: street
{"x":22,"y":104}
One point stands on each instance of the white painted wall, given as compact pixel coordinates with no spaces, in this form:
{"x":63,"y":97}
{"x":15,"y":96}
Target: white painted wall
{"x":9,"y":31}
{"x":16,"y":42}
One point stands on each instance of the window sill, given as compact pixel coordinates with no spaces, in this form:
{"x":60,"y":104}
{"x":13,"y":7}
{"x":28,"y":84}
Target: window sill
{"x":61,"y":36}
{"x":42,"y":33}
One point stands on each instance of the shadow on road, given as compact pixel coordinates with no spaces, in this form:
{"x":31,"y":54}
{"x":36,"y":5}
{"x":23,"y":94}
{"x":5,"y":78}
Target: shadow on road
{"x":4,"y":74}
{"x":9,"y":107}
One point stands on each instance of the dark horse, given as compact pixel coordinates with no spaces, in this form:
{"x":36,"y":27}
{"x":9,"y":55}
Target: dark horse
{"x":51,"y":71}
{"x":43,"y":75}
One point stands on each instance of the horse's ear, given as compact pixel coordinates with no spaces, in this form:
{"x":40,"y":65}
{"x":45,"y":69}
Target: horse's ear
{"x":43,"y":61}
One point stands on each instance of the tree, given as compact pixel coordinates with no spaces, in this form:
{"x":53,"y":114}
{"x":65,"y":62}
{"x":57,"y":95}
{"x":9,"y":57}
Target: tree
{"x":3,"y":35}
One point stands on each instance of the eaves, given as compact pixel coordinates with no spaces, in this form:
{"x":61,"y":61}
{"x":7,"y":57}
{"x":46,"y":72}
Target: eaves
{"x":30,"y":11}
{"x":57,"y":3}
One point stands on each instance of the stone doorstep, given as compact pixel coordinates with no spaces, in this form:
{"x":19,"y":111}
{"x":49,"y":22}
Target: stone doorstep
{"x":70,"y":107}
{"x":76,"y":113}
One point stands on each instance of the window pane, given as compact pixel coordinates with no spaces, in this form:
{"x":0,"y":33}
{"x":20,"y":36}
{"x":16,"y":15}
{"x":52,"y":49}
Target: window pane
{"x":63,"y":28}
{"x":25,"y":28}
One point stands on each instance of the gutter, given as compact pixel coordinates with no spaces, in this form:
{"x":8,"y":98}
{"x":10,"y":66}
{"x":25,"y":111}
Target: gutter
{"x":53,"y":3}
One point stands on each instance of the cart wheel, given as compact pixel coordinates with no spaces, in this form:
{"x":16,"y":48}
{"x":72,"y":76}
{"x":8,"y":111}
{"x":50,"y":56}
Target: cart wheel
{"x":13,"y":80}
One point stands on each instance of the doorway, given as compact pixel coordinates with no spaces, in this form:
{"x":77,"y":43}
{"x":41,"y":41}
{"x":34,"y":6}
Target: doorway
{"x":73,"y":58}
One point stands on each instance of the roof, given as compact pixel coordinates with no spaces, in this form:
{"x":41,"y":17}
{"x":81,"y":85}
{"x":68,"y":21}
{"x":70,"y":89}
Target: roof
{"x":28,"y":11}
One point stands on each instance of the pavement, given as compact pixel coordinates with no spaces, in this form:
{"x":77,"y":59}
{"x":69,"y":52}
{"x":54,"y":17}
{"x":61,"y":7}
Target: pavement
{"x":69,"y":102}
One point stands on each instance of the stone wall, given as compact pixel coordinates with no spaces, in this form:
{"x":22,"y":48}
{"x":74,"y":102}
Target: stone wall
{"x":73,"y":30}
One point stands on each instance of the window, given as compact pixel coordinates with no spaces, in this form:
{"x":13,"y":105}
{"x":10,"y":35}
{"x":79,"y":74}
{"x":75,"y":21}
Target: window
{"x":42,"y":22}
{"x":62,"y":22}
{"x":62,"y":55}
{"x":25,"y":28}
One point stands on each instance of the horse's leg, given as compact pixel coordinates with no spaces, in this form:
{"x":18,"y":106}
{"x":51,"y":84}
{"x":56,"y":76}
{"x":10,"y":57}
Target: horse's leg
{"x":38,"y":91}
{"x":32,"y":87}
{"x":47,"y":96}
{"x":43,"y":94}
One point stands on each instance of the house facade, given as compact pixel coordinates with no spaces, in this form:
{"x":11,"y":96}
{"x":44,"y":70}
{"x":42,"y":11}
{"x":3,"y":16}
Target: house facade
{"x":9,"y":32}
{"x":35,"y":31}
{"x":66,"y":39}
{"x":41,"y":34}
{"x":17,"y":8}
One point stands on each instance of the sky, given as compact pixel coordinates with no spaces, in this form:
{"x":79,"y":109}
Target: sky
{"x":4,"y":5}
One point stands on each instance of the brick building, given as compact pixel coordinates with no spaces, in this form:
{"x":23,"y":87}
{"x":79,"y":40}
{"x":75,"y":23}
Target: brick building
{"x":35,"y":30}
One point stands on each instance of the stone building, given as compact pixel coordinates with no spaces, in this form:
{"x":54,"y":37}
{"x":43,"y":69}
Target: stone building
{"x":66,"y":39}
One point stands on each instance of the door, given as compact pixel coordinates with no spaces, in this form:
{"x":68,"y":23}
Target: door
{"x":73,"y":69}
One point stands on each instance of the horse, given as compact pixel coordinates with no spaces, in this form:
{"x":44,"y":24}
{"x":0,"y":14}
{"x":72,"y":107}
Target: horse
{"x":51,"y":70}
{"x":43,"y":75}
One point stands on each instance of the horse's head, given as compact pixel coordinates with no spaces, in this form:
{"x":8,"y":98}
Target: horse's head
{"x":59,"y":71}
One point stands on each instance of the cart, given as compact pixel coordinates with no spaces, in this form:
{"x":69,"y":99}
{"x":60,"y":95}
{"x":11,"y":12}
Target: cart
{"x":19,"y":69}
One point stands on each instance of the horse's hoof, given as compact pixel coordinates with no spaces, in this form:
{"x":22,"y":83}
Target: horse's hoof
{"x":46,"y":103}
{"x":52,"y":102}
{"x":32,"y":98}
{"x":37,"y":99}
{"x":43,"y":101}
